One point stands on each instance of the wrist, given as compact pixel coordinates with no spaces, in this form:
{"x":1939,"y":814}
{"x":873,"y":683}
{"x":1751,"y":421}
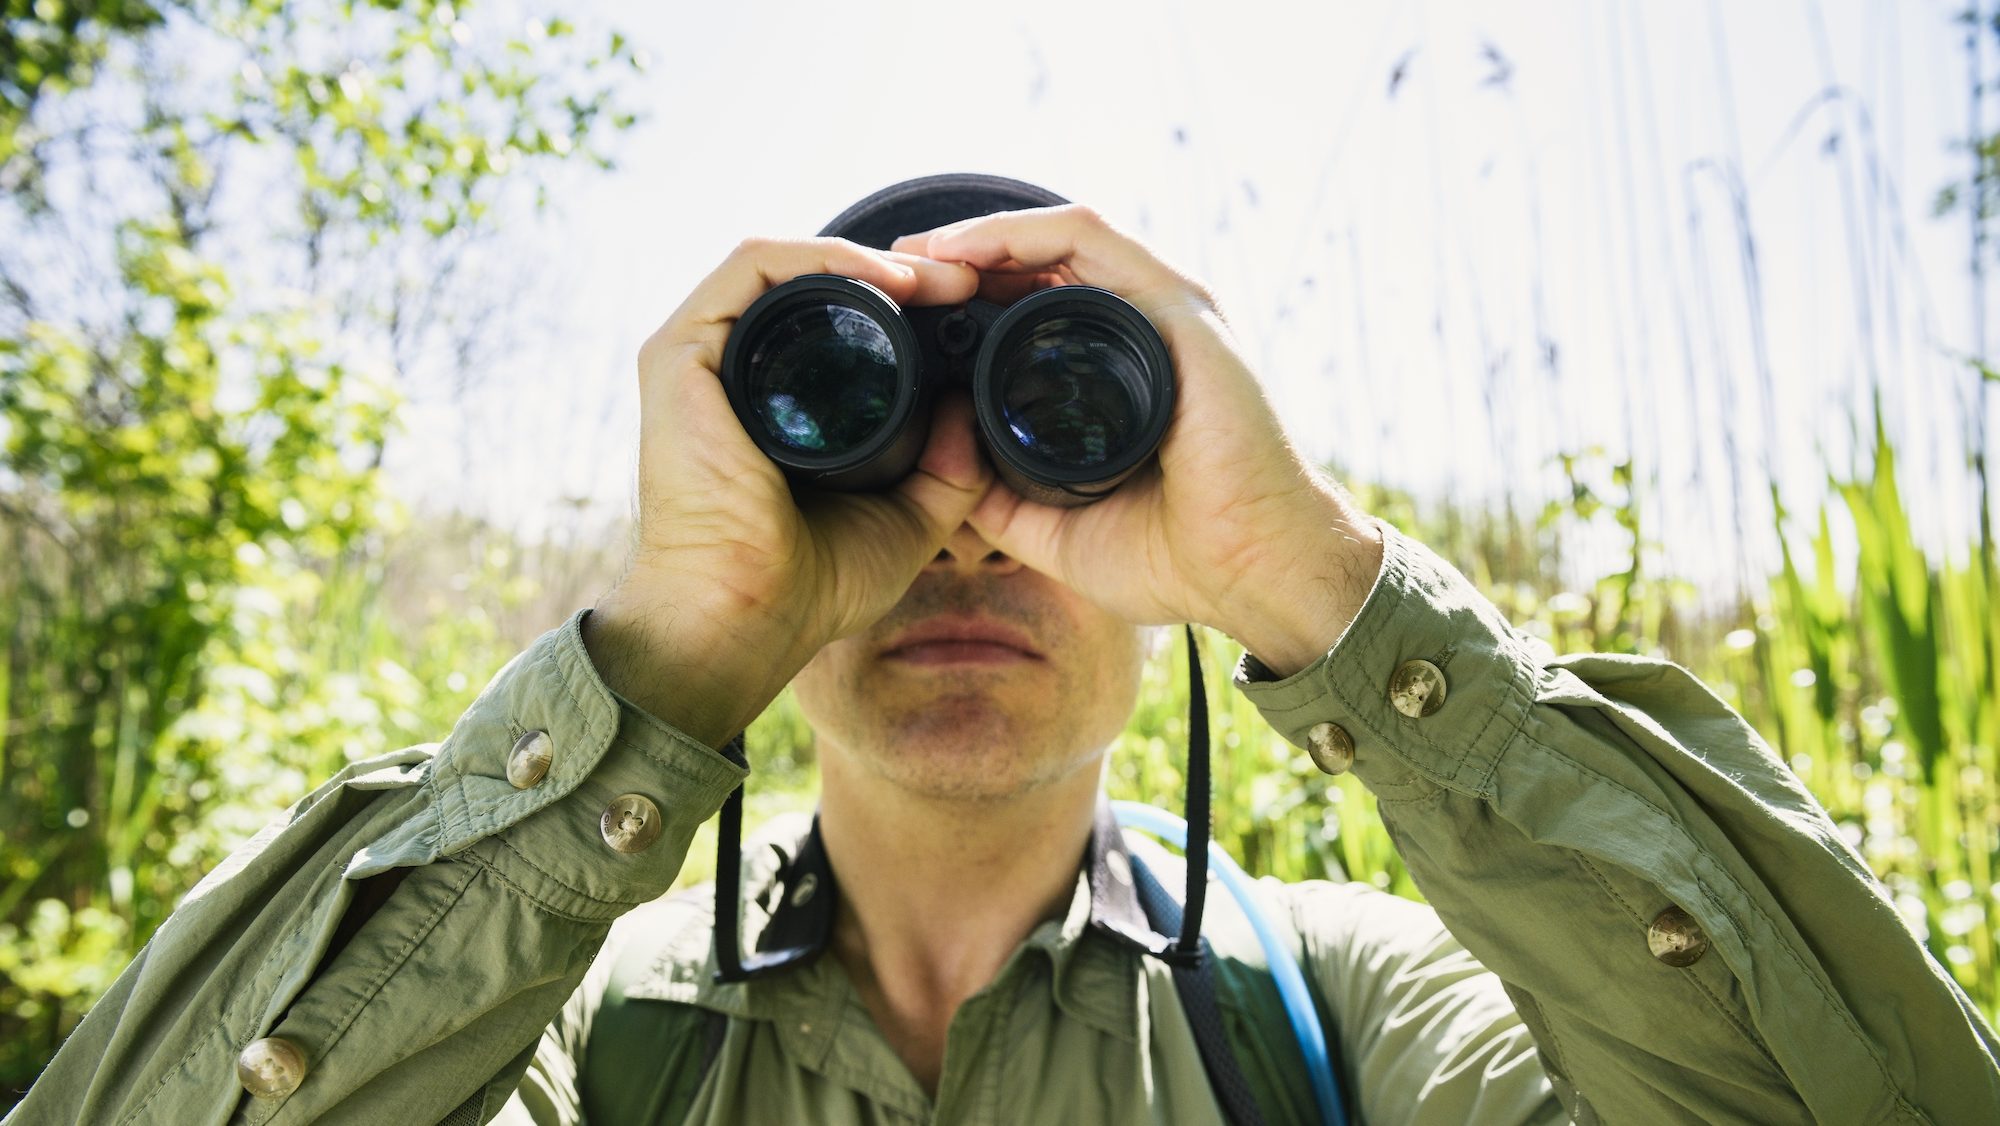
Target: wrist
{"x":1315,"y":588}
{"x":703,"y":670}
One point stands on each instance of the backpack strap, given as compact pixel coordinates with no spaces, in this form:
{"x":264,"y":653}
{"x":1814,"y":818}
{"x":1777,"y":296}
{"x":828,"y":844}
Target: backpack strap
{"x":1194,"y":980}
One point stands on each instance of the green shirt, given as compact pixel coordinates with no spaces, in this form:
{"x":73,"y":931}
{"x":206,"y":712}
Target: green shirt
{"x":1565,"y":816}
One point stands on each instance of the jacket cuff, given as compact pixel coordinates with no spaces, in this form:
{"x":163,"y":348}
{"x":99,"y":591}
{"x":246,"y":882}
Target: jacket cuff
{"x":1420,"y":609}
{"x":545,"y":837}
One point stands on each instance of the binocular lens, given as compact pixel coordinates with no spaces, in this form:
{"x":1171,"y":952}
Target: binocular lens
{"x":1071,"y":386}
{"x":1073,"y":392}
{"x":823,"y":377}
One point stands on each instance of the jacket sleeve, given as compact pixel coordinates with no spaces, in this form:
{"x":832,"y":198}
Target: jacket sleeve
{"x":433,"y":1007}
{"x":1569,"y":817}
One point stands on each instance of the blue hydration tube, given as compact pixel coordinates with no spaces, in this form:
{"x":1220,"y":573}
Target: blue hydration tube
{"x":1283,"y":963}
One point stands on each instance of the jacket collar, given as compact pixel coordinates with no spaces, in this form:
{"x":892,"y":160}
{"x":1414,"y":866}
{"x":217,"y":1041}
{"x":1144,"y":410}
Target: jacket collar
{"x":808,"y":897}
{"x":1093,"y":951}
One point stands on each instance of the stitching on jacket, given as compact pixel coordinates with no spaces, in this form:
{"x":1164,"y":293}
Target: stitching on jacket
{"x":674,"y":763}
{"x":201,"y":1042}
{"x":559,"y":881}
{"x":1515,"y":688}
{"x":1515,"y":694}
{"x":1721,"y":1008}
{"x":1434,"y":795}
{"x":1674,"y":827}
{"x":480,"y":824}
{"x":1630,"y":911}
{"x":1734,"y":926}
{"x":455,"y":891}
{"x":1539,"y":1028}
{"x":536,"y":901}
{"x":276,"y":953}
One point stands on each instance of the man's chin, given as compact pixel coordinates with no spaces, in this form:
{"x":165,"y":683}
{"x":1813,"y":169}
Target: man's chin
{"x":951,"y":721}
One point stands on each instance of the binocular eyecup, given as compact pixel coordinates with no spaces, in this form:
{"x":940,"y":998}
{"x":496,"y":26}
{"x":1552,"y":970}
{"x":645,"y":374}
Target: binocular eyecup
{"x":1072,"y":387}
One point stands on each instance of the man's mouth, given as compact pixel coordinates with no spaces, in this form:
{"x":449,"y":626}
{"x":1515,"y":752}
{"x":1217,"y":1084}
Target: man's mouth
{"x":959,"y":640}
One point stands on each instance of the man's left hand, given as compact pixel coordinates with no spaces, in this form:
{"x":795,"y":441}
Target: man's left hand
{"x":1231,"y":528}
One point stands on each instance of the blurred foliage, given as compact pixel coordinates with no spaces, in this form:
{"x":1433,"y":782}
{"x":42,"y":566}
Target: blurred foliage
{"x":51,"y":46}
{"x":192,"y":412}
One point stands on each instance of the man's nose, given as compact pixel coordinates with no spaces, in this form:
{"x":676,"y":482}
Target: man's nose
{"x":966,"y":553}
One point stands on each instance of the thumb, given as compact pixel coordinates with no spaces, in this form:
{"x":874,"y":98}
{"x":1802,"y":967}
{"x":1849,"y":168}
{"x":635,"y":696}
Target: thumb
{"x":951,"y":476}
{"x":1032,"y":533}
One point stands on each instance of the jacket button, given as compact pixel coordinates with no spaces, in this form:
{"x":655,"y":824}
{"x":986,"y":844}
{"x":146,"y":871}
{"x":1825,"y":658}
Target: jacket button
{"x":1417,"y":689}
{"x":529,"y":761}
{"x":1331,"y":748}
{"x":1676,"y":939}
{"x":631,"y":823}
{"x":271,"y":1068}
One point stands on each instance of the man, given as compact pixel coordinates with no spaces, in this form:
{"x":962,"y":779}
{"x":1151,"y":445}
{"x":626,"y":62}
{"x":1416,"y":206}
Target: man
{"x":1662,"y":907}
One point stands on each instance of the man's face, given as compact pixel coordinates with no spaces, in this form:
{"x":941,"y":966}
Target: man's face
{"x":986,"y":681}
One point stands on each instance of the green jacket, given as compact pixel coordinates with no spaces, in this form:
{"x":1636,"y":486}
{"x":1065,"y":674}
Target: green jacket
{"x":1676,"y":922}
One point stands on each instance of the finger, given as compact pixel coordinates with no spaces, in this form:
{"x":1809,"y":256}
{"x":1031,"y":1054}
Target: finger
{"x":1031,"y":533}
{"x":896,"y":534}
{"x":915,"y":244}
{"x":916,"y":241}
{"x":1050,"y":237}
{"x":938,"y":283}
{"x":1005,"y":289}
{"x":951,"y":476}
{"x":912,"y":243}
{"x":757,"y":264}
{"x":699,"y":329}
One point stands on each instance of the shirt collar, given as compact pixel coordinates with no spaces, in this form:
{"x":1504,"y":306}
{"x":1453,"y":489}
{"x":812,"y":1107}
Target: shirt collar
{"x":1093,"y":950}
{"x":808,"y":896}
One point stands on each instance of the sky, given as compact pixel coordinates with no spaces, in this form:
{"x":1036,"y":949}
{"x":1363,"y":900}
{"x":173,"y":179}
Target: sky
{"x":1455,"y":239}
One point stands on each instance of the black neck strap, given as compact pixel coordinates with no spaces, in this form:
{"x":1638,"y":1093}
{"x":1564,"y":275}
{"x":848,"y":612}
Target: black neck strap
{"x":729,"y":884}
{"x":1188,"y":949}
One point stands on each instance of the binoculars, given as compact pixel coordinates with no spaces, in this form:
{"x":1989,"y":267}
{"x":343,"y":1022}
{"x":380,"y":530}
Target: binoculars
{"x":1072,"y":387}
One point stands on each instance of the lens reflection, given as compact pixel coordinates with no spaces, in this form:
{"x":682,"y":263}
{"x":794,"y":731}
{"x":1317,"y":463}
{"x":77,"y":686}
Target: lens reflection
{"x":823,"y":378}
{"x":1073,"y":392}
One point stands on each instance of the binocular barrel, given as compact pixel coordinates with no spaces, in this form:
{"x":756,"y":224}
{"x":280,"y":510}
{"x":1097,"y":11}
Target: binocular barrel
{"x":1072,"y":387}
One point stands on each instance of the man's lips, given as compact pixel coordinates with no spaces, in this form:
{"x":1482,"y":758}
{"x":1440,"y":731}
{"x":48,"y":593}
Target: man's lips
{"x":954,"y":640}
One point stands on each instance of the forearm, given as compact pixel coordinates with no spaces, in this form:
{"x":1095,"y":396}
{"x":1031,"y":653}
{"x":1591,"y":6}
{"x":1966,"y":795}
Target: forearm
{"x":1309,"y":581}
{"x":706,"y":665}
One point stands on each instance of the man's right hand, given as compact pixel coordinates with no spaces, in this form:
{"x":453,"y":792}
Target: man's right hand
{"x":733,"y":585}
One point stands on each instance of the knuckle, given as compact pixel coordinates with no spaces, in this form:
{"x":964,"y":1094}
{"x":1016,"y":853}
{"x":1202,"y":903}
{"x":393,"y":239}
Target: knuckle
{"x":754,"y":246}
{"x":1086,"y":215}
{"x":666,"y":355}
{"x":653,"y":350}
{"x":843,"y":251}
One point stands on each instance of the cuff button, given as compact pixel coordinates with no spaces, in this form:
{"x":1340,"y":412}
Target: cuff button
{"x":1331,"y":748}
{"x":271,"y":1068}
{"x":529,"y":761}
{"x":631,"y":823}
{"x":1676,"y":939}
{"x":1417,"y":689}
